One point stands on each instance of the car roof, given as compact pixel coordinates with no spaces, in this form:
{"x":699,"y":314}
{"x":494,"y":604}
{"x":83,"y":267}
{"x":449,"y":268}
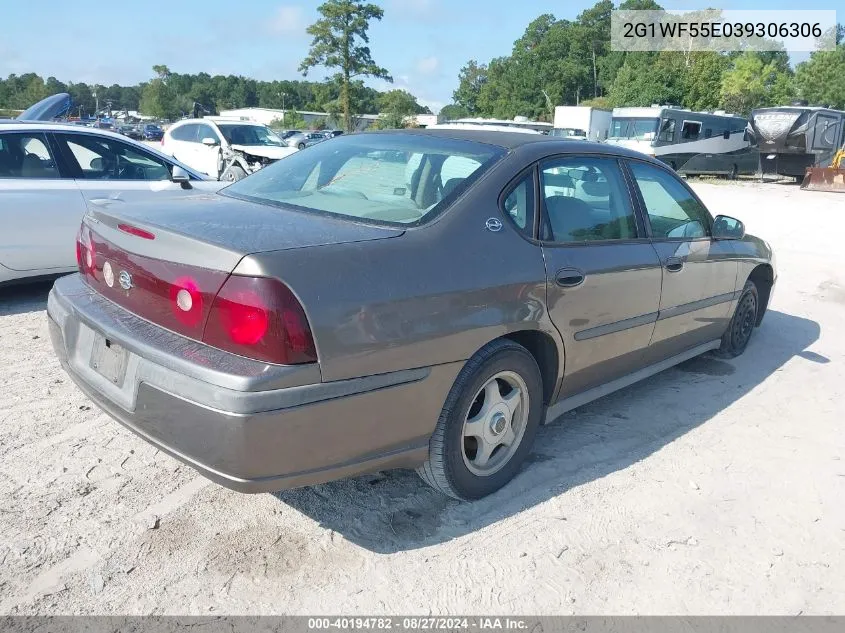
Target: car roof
{"x":515,"y":140}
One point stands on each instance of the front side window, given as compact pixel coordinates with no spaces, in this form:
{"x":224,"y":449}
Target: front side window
{"x":585,"y":200}
{"x":26,"y":155}
{"x":667,"y":131}
{"x":672,"y":210}
{"x":519,"y":204}
{"x":388,"y":178}
{"x":633,"y":128}
{"x":206,"y":131}
{"x":101,"y":158}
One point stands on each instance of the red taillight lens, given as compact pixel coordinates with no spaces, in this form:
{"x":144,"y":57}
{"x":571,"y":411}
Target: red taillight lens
{"x":260,"y":318}
{"x":85,"y":254}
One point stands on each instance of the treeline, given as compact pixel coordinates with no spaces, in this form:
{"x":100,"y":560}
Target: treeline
{"x":172,"y":95}
{"x":563,"y":62}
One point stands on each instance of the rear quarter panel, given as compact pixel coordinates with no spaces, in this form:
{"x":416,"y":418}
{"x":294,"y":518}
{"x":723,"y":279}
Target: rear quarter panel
{"x":434,"y":295}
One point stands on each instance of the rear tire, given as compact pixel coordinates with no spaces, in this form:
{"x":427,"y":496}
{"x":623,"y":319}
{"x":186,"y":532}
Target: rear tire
{"x":736,"y":337}
{"x":488,"y":423}
{"x":301,"y":146}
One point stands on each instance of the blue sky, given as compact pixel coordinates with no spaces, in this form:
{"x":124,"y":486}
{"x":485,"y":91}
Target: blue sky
{"x":423,"y":43}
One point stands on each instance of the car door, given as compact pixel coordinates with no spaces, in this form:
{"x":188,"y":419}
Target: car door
{"x":603,"y":275}
{"x":181,"y":143}
{"x":40,"y":207}
{"x":112,"y":172}
{"x":209,"y":158}
{"x":699,"y":273}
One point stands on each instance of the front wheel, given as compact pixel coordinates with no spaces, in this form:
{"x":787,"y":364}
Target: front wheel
{"x":233,"y":174}
{"x":488,"y":423}
{"x":301,"y":146}
{"x":736,"y":337}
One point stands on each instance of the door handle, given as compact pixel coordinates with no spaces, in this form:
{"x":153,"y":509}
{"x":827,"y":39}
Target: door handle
{"x":674,"y":264}
{"x":569,"y":278}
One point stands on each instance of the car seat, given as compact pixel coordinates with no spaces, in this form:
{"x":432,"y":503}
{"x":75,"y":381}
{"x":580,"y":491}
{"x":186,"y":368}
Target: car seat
{"x":571,"y":219}
{"x":32,"y":167}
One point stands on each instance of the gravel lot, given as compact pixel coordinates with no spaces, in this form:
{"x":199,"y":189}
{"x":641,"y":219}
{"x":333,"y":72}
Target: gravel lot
{"x":715,"y":487}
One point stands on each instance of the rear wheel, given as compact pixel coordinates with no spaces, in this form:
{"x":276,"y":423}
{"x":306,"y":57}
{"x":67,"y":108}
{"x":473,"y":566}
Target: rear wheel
{"x":488,"y":423}
{"x":736,"y":337}
{"x":301,"y":146}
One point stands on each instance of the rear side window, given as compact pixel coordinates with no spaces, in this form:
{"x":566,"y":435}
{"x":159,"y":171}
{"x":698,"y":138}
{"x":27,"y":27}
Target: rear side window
{"x":187,"y":132}
{"x":26,"y":155}
{"x":519,"y":204}
{"x":585,"y":200}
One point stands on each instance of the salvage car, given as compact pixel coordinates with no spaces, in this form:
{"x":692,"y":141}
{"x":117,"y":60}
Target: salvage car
{"x":324,"y":318}
{"x":226,"y":149}
{"x":52,"y":173}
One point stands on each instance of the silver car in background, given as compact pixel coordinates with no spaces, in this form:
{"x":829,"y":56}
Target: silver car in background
{"x":52,"y":173}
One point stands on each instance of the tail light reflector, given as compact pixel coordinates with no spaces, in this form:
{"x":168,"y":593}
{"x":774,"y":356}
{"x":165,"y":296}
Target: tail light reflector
{"x":256,"y":317}
{"x":260,"y":318}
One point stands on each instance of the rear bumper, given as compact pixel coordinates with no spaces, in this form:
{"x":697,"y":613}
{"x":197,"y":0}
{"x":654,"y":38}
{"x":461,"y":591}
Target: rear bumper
{"x":246,"y":425}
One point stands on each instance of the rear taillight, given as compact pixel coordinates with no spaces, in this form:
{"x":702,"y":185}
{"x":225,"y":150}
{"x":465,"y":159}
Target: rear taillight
{"x":86,"y":256}
{"x":260,"y":318}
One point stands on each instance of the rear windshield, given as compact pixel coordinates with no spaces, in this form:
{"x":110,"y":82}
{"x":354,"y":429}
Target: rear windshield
{"x":398,"y":179}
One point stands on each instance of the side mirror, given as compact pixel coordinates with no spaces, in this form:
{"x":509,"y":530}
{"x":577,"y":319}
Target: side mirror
{"x":728,"y":228}
{"x":178,"y":174}
{"x":209,"y":142}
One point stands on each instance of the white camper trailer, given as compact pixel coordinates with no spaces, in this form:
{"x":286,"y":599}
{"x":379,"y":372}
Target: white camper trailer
{"x":581,"y":123}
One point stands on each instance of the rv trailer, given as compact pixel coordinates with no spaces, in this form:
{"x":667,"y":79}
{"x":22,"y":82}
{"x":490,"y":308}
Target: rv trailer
{"x":689,"y":142}
{"x":793,"y":138}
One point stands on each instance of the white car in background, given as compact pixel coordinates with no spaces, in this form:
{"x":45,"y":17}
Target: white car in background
{"x":52,"y":173}
{"x":226,"y":149}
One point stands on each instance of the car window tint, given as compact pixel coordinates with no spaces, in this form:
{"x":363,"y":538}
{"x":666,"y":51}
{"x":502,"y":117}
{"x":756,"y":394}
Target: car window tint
{"x":187,"y":132}
{"x":206,"y":131}
{"x":108,"y":159}
{"x":585,"y":199}
{"x":25,"y":155}
{"x":519,"y":204}
{"x":672,"y":210}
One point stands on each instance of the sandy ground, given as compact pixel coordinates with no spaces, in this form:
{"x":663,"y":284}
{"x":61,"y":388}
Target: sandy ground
{"x":715,"y":487}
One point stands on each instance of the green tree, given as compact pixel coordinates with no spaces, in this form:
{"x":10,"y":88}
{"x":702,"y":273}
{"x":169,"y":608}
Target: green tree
{"x":821,"y":79}
{"x":471,"y":79}
{"x":454,"y":111}
{"x":703,"y":80}
{"x":646,"y":78}
{"x":340,"y":41}
{"x":753,"y":82}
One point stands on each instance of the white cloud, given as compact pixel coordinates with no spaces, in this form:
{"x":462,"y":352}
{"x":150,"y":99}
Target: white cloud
{"x":428,"y":65}
{"x":287,"y":20}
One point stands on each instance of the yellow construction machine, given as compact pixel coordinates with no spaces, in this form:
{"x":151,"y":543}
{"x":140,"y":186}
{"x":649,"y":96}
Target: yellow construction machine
{"x":827,"y":178}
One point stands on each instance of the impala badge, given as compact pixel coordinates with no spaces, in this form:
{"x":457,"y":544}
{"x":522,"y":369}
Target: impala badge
{"x":493,"y":225}
{"x":125,"y":280}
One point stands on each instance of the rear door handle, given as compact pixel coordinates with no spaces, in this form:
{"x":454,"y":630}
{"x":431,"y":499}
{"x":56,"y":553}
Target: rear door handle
{"x":673,"y":264}
{"x":569,"y":277}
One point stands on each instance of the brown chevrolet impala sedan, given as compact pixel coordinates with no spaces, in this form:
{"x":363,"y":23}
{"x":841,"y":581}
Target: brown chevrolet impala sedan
{"x":414,"y":299}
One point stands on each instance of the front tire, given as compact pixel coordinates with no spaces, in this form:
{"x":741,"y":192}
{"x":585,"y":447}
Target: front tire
{"x":736,"y":337}
{"x":233,"y":174}
{"x":488,"y":423}
{"x":301,"y":146}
